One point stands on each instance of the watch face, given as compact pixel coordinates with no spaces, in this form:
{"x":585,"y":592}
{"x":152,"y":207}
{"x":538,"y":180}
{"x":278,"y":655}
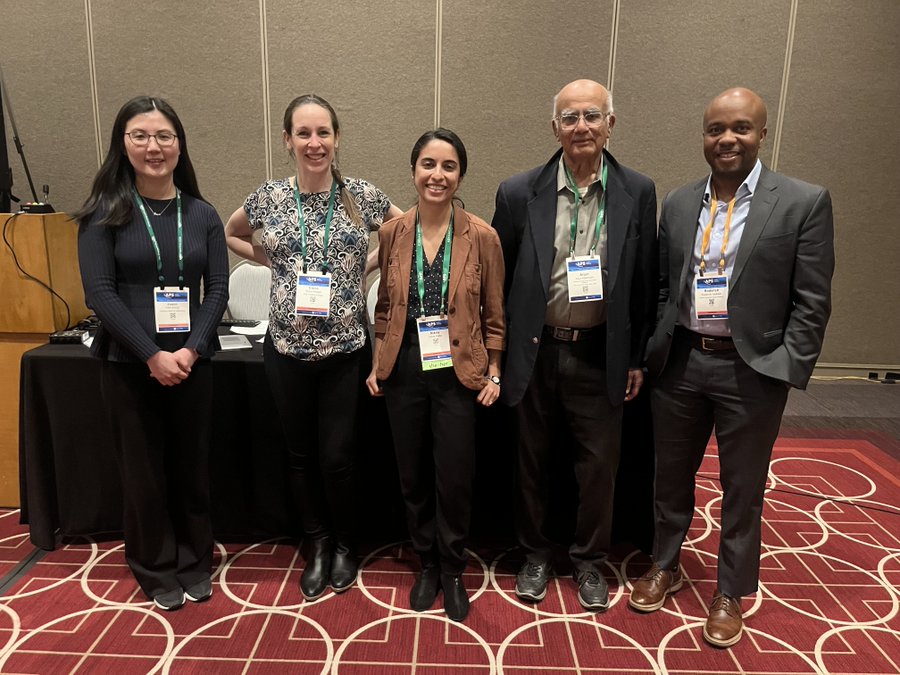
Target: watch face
{"x":494,"y":379}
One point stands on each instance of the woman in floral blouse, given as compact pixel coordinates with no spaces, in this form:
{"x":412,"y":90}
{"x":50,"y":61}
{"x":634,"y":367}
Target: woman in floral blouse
{"x":314,"y":235}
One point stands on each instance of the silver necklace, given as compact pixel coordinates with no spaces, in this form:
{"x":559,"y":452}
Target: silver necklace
{"x":151,"y":208}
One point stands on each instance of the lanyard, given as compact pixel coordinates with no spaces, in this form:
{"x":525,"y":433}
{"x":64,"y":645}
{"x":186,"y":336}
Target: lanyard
{"x":302,"y":223}
{"x":601,"y":210}
{"x":420,"y":269}
{"x":140,"y":205}
{"x":704,"y":247}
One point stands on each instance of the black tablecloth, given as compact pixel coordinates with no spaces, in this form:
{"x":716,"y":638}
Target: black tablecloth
{"x":69,"y":482}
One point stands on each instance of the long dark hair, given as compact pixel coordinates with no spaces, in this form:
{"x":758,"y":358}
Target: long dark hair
{"x":448,"y":136}
{"x":287,"y":124}
{"x":111,"y":192}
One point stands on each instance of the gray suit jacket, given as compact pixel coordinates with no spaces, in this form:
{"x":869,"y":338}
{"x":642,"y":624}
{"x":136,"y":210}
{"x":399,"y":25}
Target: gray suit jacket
{"x":525,"y":219}
{"x":780,"y":292}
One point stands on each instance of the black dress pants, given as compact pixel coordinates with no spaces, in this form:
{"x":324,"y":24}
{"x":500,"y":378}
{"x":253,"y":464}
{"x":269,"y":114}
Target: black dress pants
{"x":696,"y":392}
{"x":162,"y":448}
{"x":432,"y":418}
{"x":317,"y":402}
{"x":568,"y":387}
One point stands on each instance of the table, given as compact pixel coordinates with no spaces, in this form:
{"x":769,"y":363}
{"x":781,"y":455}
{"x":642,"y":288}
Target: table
{"x":69,"y":482}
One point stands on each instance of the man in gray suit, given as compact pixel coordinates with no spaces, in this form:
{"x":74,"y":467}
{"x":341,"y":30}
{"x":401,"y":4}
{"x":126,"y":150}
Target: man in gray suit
{"x":579,"y":242}
{"x":746,"y":259}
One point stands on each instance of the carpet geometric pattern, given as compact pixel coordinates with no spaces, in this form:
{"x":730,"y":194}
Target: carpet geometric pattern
{"x":829,"y":599}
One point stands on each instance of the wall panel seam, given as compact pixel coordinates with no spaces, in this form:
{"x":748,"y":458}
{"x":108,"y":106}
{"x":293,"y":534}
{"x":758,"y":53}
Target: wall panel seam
{"x":92,"y":69}
{"x":785,"y":77}
{"x":438,"y":49}
{"x":266,"y":102}
{"x":613,"y":40}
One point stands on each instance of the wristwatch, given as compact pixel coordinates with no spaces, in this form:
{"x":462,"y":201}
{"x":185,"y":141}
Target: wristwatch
{"x":494,"y":379}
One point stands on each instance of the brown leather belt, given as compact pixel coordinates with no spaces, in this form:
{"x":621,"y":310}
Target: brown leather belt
{"x":572,"y":334}
{"x":707,"y":343}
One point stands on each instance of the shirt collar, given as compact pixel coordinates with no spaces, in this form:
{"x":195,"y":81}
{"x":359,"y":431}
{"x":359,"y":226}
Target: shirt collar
{"x":563,"y":184}
{"x":747,"y":188}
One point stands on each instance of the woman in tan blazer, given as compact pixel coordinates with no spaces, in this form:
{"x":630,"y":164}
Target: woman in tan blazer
{"x":439,"y":334}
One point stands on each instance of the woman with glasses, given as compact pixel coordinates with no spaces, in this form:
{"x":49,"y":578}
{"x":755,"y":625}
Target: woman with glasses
{"x":146,"y":240}
{"x":315,"y":229}
{"x":439,"y":334}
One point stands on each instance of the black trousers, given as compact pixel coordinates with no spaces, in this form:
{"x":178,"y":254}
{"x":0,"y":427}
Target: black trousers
{"x":162,"y":449}
{"x":317,"y":402}
{"x":568,"y":389}
{"x":696,"y":392}
{"x":432,"y":418}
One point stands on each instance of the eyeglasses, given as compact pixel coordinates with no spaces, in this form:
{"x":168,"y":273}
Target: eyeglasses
{"x":592,"y":118}
{"x":163,"y":138}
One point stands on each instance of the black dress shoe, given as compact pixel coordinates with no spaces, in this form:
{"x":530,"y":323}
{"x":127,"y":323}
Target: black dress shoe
{"x":456,"y":600}
{"x":425,"y":590}
{"x":317,"y":572}
{"x":344,"y":568}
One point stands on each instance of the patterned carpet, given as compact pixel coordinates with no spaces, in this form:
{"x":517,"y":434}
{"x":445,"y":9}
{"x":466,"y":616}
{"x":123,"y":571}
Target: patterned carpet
{"x":829,"y":600}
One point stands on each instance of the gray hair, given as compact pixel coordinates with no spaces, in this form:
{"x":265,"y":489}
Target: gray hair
{"x":609,"y":104}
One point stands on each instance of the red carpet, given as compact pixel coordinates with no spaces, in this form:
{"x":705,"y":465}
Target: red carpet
{"x":829,"y":601}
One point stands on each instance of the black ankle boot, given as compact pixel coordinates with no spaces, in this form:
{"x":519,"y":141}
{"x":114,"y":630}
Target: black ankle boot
{"x":425,"y":590}
{"x":456,"y":600}
{"x":316,"y":574}
{"x":344,"y":568}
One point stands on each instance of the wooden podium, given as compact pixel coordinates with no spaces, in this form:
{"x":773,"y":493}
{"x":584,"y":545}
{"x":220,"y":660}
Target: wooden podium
{"x":46,"y":248}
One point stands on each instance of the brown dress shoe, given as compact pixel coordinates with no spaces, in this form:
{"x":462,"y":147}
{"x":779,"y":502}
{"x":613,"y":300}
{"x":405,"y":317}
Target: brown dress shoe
{"x":724,"y":626}
{"x":650,"y":591}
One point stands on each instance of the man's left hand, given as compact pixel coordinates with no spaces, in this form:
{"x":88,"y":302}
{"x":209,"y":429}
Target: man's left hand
{"x":635,"y":380}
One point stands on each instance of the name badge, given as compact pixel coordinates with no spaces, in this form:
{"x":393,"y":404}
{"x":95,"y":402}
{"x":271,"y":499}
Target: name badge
{"x":711,"y":296}
{"x":434,"y":342}
{"x":313,"y":297}
{"x":584,"y":278}
{"x":172,"y":307}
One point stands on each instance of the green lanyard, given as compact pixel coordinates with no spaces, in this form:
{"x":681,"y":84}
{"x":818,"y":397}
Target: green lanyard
{"x":302,"y":223}
{"x":420,"y":265}
{"x":140,"y":205}
{"x":601,"y":210}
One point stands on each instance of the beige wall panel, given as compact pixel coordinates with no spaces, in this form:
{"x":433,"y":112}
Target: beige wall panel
{"x":204,"y":58}
{"x":44,"y":55}
{"x":502,"y":64}
{"x":671,"y":59}
{"x":840,"y":130}
{"x":374,"y":62}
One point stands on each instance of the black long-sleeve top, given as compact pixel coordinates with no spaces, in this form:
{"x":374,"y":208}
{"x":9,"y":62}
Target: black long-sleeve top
{"x":118,"y":269}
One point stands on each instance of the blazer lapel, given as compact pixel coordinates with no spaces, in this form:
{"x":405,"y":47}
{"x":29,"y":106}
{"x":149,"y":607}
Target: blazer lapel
{"x":406,"y":232}
{"x":542,"y":219}
{"x":618,"y":210}
{"x":761,"y":206}
{"x":688,"y":213}
{"x":460,"y":252}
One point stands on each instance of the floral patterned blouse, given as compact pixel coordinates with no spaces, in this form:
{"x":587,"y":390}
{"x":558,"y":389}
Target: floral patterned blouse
{"x":273,"y":208}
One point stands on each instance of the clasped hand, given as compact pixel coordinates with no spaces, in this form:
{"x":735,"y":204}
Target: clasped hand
{"x":171,"y":368}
